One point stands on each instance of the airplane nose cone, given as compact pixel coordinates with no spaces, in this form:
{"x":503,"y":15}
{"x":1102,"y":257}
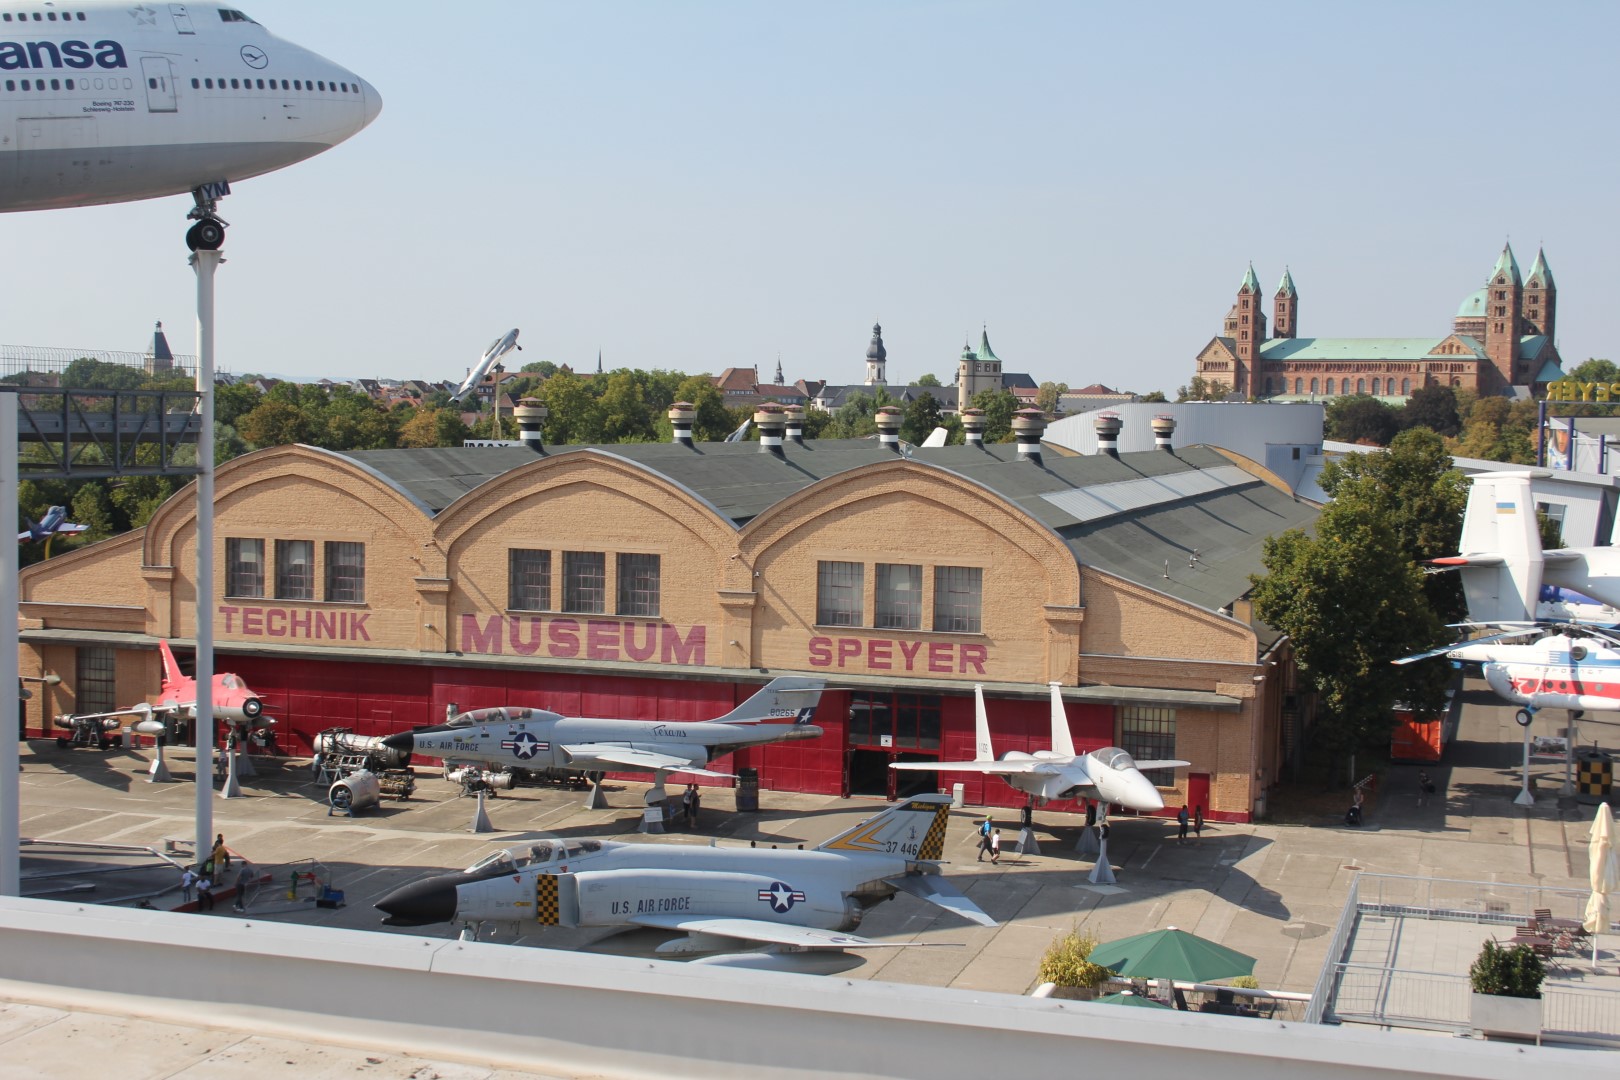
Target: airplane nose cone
{"x":372,"y":101}
{"x":404,"y":742}
{"x":421,"y":903}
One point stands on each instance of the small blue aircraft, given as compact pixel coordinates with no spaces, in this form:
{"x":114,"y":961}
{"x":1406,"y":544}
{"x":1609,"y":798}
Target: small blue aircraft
{"x":53,"y":523}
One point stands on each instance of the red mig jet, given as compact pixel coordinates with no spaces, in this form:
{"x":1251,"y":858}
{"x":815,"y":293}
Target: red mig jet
{"x":234,"y":704}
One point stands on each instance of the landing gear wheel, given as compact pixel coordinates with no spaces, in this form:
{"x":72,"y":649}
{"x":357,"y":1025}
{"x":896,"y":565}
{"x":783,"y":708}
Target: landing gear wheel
{"x":207,"y":235}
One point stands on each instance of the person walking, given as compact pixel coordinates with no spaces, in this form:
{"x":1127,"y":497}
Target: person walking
{"x":220,"y":857}
{"x":995,"y":845}
{"x":688,"y":798}
{"x":244,"y":878}
{"x":188,"y":882}
{"x":1181,"y":821}
{"x":205,"y":894}
{"x":985,"y":830}
{"x":1198,"y":823}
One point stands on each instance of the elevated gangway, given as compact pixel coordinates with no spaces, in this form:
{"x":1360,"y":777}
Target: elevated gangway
{"x":79,"y":434}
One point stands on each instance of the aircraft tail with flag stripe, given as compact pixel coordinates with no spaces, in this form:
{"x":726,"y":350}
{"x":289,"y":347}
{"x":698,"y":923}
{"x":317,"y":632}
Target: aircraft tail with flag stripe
{"x":1501,"y":561}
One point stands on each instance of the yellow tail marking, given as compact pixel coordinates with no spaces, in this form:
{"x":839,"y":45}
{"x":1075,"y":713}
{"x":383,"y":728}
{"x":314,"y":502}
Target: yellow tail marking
{"x":546,"y":909}
{"x":933,"y":845}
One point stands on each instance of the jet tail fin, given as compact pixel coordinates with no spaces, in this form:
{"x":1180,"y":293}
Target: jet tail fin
{"x":787,"y":698}
{"x":914,"y":828}
{"x":1501,"y":562}
{"x":171,"y":668}
{"x":982,"y":750}
{"x":1062,"y":741}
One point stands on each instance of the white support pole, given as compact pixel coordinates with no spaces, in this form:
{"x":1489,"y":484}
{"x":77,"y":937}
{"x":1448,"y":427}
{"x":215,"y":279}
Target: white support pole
{"x":10,"y":707}
{"x":1524,"y":798}
{"x":205,"y":263}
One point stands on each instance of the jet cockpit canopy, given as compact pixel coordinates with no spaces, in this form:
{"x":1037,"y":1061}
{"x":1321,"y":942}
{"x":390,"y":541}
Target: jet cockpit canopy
{"x":1114,"y":758}
{"x":539,"y":853}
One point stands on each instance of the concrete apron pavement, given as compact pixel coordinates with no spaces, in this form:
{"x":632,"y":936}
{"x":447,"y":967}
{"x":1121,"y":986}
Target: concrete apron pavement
{"x":1271,"y":891}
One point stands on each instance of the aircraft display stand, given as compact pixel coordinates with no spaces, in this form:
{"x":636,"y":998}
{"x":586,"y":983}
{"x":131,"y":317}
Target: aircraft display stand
{"x":158,"y":771}
{"x":596,"y":800}
{"x":1103,"y":872}
{"x":480,"y":823}
{"x":1087,"y":846}
{"x":652,"y":819}
{"x":232,"y":788}
{"x":1027,"y":844}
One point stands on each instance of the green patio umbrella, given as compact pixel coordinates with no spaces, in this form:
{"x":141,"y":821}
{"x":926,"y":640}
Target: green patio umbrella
{"x":1172,"y":954}
{"x":1132,"y":999}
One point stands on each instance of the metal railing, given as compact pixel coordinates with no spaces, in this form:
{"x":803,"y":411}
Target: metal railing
{"x":1322,"y":992}
{"x":1460,"y":899}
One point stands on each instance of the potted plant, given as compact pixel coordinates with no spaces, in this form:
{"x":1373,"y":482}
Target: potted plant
{"x":1066,"y":966}
{"x":1507,"y":991}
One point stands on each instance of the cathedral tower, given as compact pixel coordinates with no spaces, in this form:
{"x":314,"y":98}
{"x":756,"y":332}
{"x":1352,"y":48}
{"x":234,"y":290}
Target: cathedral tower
{"x":1285,"y":308}
{"x":1504,"y":305}
{"x":1541,"y":300}
{"x":1249,"y":331}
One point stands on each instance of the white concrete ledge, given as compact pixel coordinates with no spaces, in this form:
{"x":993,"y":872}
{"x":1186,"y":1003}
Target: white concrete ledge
{"x":565,"y":1012}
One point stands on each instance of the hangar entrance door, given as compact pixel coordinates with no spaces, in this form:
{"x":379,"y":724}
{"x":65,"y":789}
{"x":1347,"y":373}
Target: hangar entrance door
{"x":886,"y":727}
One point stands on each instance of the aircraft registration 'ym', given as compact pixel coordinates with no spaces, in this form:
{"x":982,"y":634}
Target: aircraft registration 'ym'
{"x":1109,"y":776}
{"x":537,"y":740}
{"x":720,"y":897}
{"x":110,"y":102}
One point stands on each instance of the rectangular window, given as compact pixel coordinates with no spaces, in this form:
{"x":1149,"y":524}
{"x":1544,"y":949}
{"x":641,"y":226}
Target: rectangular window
{"x":1552,"y":513}
{"x":345,"y":572}
{"x":584,"y":582}
{"x":528,"y":577}
{"x":1149,"y":734}
{"x":958,"y":599}
{"x":295,"y":569}
{"x":244,"y":567}
{"x":838,"y":593}
{"x":899,"y":597}
{"x":95,"y":677}
{"x":638,"y":584}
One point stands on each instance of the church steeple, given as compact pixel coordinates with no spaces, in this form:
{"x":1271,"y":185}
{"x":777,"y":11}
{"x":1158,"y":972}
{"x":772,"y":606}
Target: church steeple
{"x":159,"y":360}
{"x":1504,"y":307}
{"x":1249,"y":330}
{"x":779,"y":369}
{"x":876,"y":358}
{"x":1285,"y":308}
{"x":1541,"y":299}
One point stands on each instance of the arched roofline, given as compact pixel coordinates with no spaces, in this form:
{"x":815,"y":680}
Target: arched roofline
{"x":766,"y":529}
{"x":456,"y":519}
{"x":180,"y":507}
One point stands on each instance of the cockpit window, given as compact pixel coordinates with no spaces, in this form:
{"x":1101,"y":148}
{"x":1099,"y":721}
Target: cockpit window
{"x":496,"y":860}
{"x":1114,"y":758}
{"x":540,"y":853}
{"x":232,"y":16}
{"x":590,"y":845}
{"x":231,"y":682}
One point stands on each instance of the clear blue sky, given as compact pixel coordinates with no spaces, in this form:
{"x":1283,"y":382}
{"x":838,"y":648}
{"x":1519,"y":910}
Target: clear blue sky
{"x":701,"y":185}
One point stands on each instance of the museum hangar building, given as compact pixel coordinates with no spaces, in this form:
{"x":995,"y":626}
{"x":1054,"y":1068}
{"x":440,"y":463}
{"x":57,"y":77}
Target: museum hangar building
{"x":376,"y":590}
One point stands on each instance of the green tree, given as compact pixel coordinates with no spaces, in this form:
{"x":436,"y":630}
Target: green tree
{"x":433,"y":427}
{"x":1435,"y":407}
{"x":573,"y":416}
{"x":622,"y":409}
{"x":922,"y":416}
{"x":928,"y":380}
{"x":1352,"y":603}
{"x":544,"y":368}
{"x":998,"y":406}
{"x":1597,"y":371}
{"x":1048,"y":395}
{"x":275,"y":421}
{"x":855,"y":417}
{"x":1202,"y":389}
{"x":1154,"y":396}
{"x":714,"y":421}
{"x":1358,"y":418}
{"x":1415,"y":491}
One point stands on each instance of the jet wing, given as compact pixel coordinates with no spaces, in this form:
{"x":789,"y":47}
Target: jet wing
{"x":591,"y":754}
{"x":936,"y":890}
{"x":1143,"y":766}
{"x":989,"y":767}
{"x":804,"y":937}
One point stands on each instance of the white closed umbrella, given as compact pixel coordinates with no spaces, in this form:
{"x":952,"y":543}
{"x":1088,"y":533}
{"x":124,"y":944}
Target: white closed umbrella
{"x":1604,"y":875}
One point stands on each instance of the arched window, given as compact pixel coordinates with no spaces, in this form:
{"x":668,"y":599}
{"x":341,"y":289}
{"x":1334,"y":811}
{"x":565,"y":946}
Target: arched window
{"x":1328,"y":389}
{"x":1406,"y":387}
{"x":1268,"y":386}
{"x":1313,"y":385}
{"x":1361,"y":386}
{"x":1299,"y":386}
{"x":1389,"y":386}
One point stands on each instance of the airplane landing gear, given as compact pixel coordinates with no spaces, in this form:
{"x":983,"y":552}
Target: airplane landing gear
{"x":208,"y":234}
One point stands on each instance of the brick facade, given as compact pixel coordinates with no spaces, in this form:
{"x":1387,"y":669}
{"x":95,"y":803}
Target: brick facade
{"x":735,"y":607}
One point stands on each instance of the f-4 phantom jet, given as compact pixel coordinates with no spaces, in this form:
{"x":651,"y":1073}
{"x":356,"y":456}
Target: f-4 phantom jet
{"x":723,"y":898}
{"x":540,"y":741}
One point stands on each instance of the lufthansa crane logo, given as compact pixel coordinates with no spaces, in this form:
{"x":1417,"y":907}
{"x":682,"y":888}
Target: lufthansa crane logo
{"x":781,"y":897}
{"x":524,"y":745}
{"x":254,"y":57}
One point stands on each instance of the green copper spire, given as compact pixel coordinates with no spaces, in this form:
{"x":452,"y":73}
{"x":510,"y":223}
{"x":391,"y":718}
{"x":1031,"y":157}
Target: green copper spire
{"x":1287,"y":286}
{"x":1507,"y":265}
{"x":984,"y":347}
{"x":1541,"y":272}
{"x":1250,"y":282}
